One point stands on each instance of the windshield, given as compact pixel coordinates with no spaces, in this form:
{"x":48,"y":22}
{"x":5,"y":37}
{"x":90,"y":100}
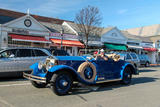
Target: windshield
{"x":133,"y":56}
{"x":83,"y":52}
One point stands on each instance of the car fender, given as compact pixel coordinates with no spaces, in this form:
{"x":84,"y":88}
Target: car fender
{"x":34,"y":68}
{"x":57,"y":68}
{"x":127,"y":65}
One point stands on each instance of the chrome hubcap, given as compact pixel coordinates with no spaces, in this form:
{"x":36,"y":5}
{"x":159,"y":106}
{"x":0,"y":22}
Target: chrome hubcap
{"x":64,"y":82}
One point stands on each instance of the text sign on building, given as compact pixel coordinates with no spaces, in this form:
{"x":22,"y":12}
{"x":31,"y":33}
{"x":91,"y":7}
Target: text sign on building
{"x":65,"y":36}
{"x":20,"y":31}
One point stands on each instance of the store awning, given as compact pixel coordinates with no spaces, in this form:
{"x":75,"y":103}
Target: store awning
{"x":150,"y":49}
{"x":134,"y":47}
{"x":115,"y":46}
{"x":28,"y":38}
{"x":69,"y":43}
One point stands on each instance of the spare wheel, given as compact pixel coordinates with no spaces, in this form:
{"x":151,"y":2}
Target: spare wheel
{"x":87,"y":71}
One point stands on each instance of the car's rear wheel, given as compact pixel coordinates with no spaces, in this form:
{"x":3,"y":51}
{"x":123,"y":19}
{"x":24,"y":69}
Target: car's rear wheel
{"x":38,"y":84}
{"x":61,"y":83}
{"x":127,"y":76}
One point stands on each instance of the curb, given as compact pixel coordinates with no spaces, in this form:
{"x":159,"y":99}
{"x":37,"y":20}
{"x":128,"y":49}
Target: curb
{"x":154,"y":64}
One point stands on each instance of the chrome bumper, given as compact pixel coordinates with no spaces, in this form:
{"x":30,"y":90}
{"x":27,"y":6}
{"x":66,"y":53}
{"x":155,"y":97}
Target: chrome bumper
{"x":34,"y":78}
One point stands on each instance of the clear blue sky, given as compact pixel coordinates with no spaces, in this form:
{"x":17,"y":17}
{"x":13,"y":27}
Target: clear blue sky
{"x":121,"y":13}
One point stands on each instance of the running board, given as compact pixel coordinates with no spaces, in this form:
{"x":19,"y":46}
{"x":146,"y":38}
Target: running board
{"x":109,"y":80}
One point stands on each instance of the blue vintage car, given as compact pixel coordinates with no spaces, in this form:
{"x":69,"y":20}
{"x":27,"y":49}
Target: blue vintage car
{"x":61,"y":71}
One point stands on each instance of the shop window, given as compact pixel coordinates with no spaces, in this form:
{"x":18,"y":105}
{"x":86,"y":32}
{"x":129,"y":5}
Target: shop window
{"x":21,"y":43}
{"x":9,"y":40}
{"x":158,"y":43}
{"x":132,"y":43}
{"x":37,"y":43}
{"x":47,"y":44}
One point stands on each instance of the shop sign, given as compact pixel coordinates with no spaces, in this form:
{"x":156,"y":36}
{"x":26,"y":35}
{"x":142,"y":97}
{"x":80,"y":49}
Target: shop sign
{"x":65,"y":36}
{"x":20,"y":31}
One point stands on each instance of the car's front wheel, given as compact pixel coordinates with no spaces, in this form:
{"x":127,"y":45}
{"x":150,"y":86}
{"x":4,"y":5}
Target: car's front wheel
{"x":38,"y":84}
{"x":127,"y":76}
{"x":61,"y":83}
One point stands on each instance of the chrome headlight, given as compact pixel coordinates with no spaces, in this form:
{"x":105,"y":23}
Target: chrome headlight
{"x":49,"y":65}
{"x":40,"y":65}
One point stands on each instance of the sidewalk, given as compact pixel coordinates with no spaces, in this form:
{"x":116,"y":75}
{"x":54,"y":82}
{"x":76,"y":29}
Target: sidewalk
{"x":154,"y":64}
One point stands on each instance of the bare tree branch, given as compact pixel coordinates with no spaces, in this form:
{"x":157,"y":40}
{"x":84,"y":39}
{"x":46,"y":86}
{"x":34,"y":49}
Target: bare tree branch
{"x":88,"y":21}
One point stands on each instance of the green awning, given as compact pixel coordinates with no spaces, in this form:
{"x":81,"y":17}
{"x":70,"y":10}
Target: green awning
{"x":115,"y":46}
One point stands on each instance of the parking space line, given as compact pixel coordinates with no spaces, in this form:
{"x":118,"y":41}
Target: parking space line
{"x":9,"y":85}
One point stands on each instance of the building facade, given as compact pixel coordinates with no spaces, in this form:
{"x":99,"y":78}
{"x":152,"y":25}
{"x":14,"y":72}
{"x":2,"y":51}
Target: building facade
{"x":113,"y":39}
{"x":25,"y":30}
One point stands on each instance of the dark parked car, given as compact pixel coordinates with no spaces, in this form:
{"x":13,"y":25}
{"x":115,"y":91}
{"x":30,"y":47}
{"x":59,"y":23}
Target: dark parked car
{"x":57,"y":52}
{"x":144,"y":60}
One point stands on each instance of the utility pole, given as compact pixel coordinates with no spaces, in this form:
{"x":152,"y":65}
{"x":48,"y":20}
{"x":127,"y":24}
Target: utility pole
{"x":62,"y":31}
{"x":0,"y":36}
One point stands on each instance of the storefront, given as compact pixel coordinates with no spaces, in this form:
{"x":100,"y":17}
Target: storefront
{"x":134,"y":46}
{"x":24,"y":32}
{"x":17,"y":40}
{"x":68,"y":42}
{"x":149,"y":49}
{"x":133,"y":42}
{"x":113,"y":39}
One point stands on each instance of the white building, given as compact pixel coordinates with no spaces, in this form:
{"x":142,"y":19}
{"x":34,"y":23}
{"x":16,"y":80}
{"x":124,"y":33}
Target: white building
{"x":145,"y":34}
{"x":94,"y":40}
{"x":113,"y":39}
{"x":24,"y":31}
{"x":133,"y":42}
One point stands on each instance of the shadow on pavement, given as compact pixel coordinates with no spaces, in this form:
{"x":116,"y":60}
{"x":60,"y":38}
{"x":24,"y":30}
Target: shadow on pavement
{"x":142,"y":80}
{"x":9,"y":79}
{"x":147,"y":70}
{"x":84,"y":89}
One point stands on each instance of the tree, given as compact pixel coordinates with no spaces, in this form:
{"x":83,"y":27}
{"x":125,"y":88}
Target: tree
{"x":88,"y":21}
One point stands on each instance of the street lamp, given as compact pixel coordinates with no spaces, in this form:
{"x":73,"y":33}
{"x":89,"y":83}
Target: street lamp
{"x":62,"y":31}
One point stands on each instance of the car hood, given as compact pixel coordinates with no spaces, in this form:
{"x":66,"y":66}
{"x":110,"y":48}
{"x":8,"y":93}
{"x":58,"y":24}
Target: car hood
{"x":73,"y":58}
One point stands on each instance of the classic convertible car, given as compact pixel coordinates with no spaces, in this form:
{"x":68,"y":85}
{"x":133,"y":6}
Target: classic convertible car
{"x":61,"y":71}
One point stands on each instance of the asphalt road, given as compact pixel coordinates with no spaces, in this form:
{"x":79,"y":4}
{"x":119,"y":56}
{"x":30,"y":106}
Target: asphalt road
{"x":143,"y":92}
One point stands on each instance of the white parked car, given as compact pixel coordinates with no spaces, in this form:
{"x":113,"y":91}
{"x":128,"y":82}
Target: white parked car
{"x":130,"y":57}
{"x":15,"y":60}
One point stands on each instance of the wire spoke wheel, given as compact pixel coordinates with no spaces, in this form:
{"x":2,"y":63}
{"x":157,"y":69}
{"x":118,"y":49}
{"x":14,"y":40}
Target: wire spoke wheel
{"x":127,"y":76}
{"x":62,"y":83}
